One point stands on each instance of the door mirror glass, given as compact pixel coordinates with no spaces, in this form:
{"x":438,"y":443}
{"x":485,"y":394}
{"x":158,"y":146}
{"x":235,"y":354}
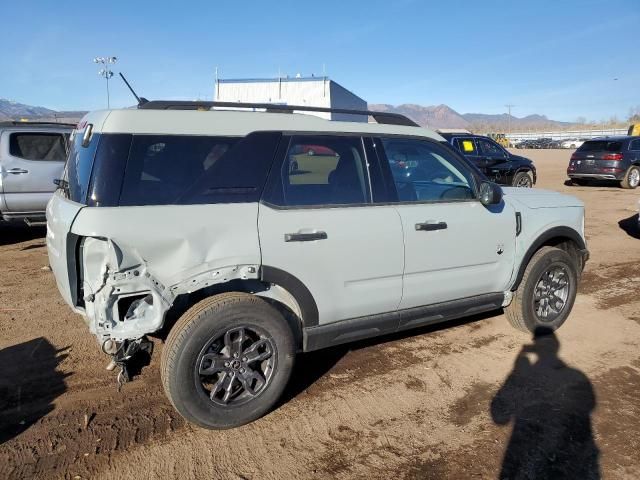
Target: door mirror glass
{"x":490,"y":193}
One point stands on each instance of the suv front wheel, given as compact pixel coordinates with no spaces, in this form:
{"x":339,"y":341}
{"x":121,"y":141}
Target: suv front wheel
{"x":227,"y":360}
{"x":523,"y":180}
{"x":546,"y":293}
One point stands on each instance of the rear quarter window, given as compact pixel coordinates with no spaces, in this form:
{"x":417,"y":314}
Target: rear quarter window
{"x":188,"y":169}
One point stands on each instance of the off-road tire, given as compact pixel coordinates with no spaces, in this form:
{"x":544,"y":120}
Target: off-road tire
{"x":581,"y":182}
{"x":523,"y":177}
{"x":627,"y":181}
{"x":521,"y":311}
{"x":191,"y":333}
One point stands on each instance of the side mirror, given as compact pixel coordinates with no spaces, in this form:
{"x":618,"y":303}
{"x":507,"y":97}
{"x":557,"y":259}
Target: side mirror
{"x":490,"y":193}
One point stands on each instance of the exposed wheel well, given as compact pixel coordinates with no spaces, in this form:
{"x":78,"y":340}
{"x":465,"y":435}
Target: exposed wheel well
{"x":182,"y":303}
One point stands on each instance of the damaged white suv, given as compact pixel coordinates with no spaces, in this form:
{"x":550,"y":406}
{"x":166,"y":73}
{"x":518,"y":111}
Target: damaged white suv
{"x":273,"y":232}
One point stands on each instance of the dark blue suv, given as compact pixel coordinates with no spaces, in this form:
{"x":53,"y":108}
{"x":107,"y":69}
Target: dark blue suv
{"x":499,"y":165}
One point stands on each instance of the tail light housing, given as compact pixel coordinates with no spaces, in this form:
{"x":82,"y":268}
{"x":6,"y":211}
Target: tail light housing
{"x":612,"y":156}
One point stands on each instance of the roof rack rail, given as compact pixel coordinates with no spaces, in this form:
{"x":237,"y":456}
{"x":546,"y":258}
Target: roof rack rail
{"x":13,"y":123}
{"x":386,"y":118}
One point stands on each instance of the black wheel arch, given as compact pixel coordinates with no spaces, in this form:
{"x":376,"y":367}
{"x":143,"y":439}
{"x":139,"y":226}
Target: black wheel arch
{"x":563,"y":237}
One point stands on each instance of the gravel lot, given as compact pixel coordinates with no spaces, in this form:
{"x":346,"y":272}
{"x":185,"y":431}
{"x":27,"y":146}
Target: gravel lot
{"x":467,"y":399}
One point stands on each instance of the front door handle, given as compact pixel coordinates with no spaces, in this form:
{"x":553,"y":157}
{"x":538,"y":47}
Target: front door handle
{"x":17,"y":171}
{"x":305,"y":237}
{"x":431,"y":226}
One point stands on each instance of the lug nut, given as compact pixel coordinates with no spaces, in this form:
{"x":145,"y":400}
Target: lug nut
{"x":235,"y":355}
{"x":244,"y":359}
{"x":242,"y":370}
{"x":226,"y":364}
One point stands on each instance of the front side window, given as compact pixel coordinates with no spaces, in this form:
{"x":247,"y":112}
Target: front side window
{"x":424,"y":171}
{"x":38,"y":146}
{"x":490,"y":149}
{"x":322,"y":170}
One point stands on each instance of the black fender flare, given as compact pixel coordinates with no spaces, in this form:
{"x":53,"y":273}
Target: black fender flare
{"x":295,"y":287}
{"x":565,"y":233}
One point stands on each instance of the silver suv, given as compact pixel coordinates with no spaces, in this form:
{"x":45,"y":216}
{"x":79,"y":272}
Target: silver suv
{"x":267,"y":233}
{"x":32,"y":156}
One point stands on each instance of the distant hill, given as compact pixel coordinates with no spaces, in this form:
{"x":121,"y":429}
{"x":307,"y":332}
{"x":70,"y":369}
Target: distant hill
{"x":10,"y":110}
{"x":443,"y":116}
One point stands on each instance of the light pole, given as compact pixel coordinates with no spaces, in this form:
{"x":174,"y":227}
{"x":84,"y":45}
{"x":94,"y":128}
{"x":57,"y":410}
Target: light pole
{"x":105,"y":72}
{"x":509,"y":117}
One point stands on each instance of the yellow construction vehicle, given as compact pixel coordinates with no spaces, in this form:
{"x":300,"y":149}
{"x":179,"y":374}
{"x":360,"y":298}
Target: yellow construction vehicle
{"x":500,"y":139}
{"x":634,"y":129}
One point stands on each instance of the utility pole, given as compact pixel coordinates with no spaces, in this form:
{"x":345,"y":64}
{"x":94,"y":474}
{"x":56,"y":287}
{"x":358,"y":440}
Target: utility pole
{"x":105,"y":72}
{"x":509,"y":106}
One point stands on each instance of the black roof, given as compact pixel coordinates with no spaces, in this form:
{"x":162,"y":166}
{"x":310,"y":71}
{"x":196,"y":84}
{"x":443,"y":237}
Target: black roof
{"x":386,"y":118}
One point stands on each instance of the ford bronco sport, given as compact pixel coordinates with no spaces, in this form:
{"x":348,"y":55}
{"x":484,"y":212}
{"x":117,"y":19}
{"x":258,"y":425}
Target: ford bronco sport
{"x":225,"y":219}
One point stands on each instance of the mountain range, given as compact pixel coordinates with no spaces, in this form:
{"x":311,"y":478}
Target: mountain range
{"x":435,"y":116}
{"x":10,"y":110}
{"x":443,"y":116}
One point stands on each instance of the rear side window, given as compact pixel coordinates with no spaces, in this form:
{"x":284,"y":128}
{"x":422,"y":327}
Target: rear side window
{"x":38,"y":146}
{"x":188,"y":169}
{"x":466,"y":145}
{"x":600,"y":146}
{"x":321,"y":170}
{"x":635,"y":145}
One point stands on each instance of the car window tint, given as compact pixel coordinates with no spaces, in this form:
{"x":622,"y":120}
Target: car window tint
{"x":193,"y":169}
{"x":323,"y":170}
{"x":490,"y":149}
{"x":600,"y":146}
{"x":38,"y":146}
{"x":635,"y":145}
{"x":427,"y":172}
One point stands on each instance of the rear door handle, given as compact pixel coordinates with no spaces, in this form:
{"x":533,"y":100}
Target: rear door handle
{"x":16,"y":171}
{"x":305,"y":237}
{"x":431,"y":226}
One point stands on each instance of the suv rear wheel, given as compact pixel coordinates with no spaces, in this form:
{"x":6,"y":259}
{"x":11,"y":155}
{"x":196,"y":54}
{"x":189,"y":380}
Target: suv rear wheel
{"x":631,"y":177}
{"x":227,"y":360}
{"x":523,"y":180}
{"x":546,"y":293}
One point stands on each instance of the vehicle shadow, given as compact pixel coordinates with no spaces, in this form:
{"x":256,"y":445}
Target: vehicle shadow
{"x":630,"y":226}
{"x":29,"y":383}
{"x":550,"y":405}
{"x":11,"y":233}
{"x":312,"y":366}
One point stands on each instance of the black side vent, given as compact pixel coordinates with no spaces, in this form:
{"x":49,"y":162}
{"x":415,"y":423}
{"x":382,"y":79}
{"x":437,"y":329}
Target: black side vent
{"x":518,"y":223}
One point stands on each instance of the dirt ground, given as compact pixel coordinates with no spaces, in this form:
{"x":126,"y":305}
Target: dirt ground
{"x":468,"y":399}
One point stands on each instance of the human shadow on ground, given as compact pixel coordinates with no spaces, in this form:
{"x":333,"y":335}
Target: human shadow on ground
{"x":630,"y":226}
{"x":29,"y":384}
{"x":550,"y":406}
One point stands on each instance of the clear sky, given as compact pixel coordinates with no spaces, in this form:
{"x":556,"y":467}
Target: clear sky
{"x":557,"y":58}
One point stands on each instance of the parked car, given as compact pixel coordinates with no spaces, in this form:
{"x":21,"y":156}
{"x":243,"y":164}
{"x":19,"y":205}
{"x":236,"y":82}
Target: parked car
{"x":497,"y":163}
{"x":32,"y":156}
{"x":572,"y":143}
{"x":258,"y":262}
{"x":610,"y":158}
